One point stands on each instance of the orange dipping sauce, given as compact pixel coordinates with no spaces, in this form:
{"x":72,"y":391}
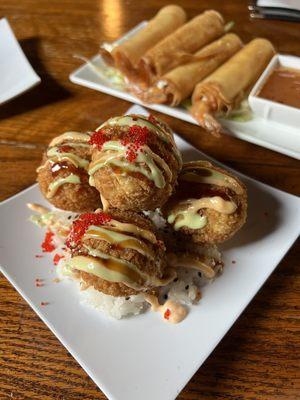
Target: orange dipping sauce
{"x":282,"y":86}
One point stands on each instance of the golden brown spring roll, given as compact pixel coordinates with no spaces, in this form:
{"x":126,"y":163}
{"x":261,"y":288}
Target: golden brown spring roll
{"x":177,"y":48}
{"x":178,"y":84}
{"x":225,"y":88}
{"x":126,"y":55}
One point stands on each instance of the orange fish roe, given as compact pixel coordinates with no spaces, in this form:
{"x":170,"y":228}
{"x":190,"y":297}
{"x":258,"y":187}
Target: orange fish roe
{"x":98,"y":139}
{"x":167,"y":314}
{"x":57,"y":258}
{"x":48,"y":245}
{"x":81,"y":225}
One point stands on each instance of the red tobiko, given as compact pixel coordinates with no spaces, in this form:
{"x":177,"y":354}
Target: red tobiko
{"x":57,"y":257}
{"x":81,"y":225}
{"x":98,"y":139}
{"x":48,"y":245}
{"x":134,"y":139}
{"x":137,"y":135}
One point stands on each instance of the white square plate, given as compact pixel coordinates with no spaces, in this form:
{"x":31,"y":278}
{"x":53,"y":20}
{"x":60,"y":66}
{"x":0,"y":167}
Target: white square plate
{"x":16,"y":74}
{"x":274,"y":136}
{"x":143,"y":358}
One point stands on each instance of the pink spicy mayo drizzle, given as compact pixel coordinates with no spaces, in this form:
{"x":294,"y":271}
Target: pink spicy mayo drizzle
{"x":172,"y":312}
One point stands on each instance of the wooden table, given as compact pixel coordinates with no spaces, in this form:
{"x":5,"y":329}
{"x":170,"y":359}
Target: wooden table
{"x":258,"y":357}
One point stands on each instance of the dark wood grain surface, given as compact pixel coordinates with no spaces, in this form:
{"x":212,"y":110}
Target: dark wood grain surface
{"x":259,"y":358}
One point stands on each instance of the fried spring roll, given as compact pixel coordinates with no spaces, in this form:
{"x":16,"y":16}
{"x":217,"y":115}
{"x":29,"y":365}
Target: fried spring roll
{"x":225,"y":88}
{"x":177,"y":48}
{"x":126,"y":55}
{"x":178,"y":84}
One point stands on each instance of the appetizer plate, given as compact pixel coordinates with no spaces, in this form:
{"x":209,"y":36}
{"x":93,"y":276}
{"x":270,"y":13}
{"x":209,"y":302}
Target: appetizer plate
{"x":274,"y":136}
{"x":143,"y":357}
{"x":16,"y":74}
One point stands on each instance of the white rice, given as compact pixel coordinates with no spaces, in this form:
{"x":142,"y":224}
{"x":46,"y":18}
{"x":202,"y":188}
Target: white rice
{"x":185,"y":290}
{"x":115,"y":307}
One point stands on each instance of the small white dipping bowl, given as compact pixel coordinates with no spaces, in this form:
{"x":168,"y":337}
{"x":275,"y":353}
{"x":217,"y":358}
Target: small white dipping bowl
{"x":271,"y":110}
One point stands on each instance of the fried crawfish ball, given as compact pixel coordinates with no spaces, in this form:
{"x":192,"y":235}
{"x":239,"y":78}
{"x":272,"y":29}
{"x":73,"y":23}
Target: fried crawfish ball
{"x":135,"y":162}
{"x":210,"y":204}
{"x":63,"y":177}
{"x":117,"y":253}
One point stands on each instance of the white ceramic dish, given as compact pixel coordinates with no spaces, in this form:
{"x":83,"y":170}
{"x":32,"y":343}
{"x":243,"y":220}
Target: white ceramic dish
{"x":270,"y":110}
{"x":16,"y":74}
{"x":281,"y":138}
{"x":143,"y":358}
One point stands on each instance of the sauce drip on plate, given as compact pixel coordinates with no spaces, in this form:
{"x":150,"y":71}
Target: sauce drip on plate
{"x":172,"y":312}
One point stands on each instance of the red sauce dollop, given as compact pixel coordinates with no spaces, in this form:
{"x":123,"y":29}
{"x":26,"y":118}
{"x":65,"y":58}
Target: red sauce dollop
{"x":167,"y":314}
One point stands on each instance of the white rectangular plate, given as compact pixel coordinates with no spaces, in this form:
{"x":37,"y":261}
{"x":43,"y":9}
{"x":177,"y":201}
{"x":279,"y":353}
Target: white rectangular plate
{"x":143,"y":357}
{"x":281,"y":138}
{"x":16,"y":74}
